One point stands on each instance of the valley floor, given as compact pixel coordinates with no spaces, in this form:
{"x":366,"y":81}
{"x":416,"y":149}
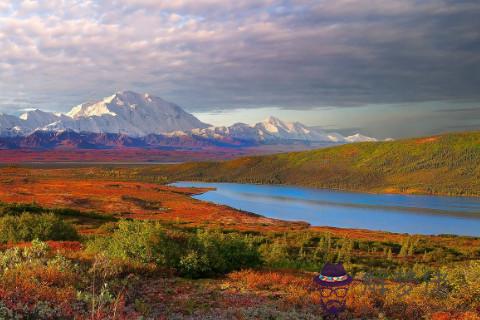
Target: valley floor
{"x":278,"y":286}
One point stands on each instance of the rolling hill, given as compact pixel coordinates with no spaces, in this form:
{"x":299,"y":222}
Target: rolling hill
{"x":447,"y":164}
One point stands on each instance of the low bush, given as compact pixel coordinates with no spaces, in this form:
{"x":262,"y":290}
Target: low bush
{"x":27,"y":227}
{"x":200,"y":254}
{"x":136,"y":240}
{"x":38,"y":283}
{"x":34,"y":284}
{"x":462,"y":283}
{"x":213,"y":252}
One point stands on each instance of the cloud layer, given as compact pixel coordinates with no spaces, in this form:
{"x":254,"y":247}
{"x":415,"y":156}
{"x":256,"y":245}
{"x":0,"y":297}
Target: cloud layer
{"x":216,"y":54}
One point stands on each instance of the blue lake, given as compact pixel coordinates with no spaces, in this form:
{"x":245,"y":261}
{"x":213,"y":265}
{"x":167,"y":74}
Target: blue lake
{"x":389,"y":212}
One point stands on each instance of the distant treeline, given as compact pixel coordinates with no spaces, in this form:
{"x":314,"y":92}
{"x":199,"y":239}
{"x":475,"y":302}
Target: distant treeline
{"x":446,"y":164}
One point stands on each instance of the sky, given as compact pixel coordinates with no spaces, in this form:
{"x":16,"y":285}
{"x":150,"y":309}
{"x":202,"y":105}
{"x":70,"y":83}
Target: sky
{"x":386,"y":68}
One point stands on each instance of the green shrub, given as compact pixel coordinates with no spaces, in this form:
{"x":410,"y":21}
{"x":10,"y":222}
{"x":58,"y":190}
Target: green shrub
{"x":201,"y":254}
{"x":39,"y":253}
{"x":463,"y":280}
{"x":194,"y":264}
{"x":276,"y":254}
{"x":213,"y":252}
{"x":141,"y":241}
{"x":137,"y":240}
{"x":27,"y":227}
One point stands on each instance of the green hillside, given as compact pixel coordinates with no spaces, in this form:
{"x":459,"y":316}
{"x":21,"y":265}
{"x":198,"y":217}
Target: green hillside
{"x":446,"y":164}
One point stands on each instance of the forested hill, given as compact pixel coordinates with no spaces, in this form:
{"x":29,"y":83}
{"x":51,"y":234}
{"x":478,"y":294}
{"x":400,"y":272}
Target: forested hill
{"x":446,"y":164}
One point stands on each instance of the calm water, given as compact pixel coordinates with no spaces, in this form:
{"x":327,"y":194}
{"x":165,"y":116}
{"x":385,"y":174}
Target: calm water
{"x":396,"y":213}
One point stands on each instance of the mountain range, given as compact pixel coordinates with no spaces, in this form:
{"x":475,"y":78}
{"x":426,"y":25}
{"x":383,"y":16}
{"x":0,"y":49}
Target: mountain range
{"x":131,"y":119}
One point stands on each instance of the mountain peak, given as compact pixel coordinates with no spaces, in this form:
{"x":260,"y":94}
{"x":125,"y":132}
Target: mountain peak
{"x":273,"y":120}
{"x":129,"y":95}
{"x":132,"y":113}
{"x":130,"y":98}
{"x":273,"y":125}
{"x":37,"y":118}
{"x":128,"y":92}
{"x":96,"y":109}
{"x":107,"y":106}
{"x":34,"y":113}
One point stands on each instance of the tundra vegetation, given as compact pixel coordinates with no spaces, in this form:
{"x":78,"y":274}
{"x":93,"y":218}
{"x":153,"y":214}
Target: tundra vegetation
{"x":131,"y":269}
{"x":108,"y":242}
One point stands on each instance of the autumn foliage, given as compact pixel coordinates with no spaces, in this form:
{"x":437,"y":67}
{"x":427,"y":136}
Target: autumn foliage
{"x":114,"y":247}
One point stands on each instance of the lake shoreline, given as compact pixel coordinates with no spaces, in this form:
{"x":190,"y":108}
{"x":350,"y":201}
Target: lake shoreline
{"x":399,"y":214}
{"x":377,"y":234}
{"x":387,"y":191}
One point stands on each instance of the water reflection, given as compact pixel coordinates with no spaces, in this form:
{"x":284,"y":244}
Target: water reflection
{"x":396,"y":213}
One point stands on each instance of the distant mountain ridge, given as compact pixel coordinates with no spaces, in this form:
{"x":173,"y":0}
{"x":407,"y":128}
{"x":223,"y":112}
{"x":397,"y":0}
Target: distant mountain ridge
{"x":69,"y":139}
{"x":273,"y":130}
{"x":148,"y":120}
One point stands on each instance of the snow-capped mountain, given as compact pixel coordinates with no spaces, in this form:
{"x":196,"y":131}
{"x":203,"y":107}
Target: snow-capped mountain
{"x":27,"y":123}
{"x":359,"y":138}
{"x":130,"y":114}
{"x":274,"y":127}
{"x":10,"y":125}
{"x":127,"y":113}
{"x":37,"y":119}
{"x":274,"y":130}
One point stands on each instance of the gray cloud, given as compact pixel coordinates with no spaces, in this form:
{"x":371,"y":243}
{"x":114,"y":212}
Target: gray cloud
{"x":210,"y":54}
{"x":460,"y":110}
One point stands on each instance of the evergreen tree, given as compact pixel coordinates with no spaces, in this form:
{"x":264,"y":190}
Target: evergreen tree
{"x":404,"y":249}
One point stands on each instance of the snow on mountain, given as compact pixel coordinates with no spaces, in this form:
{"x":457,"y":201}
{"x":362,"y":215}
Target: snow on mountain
{"x":36,"y":119}
{"x":125,"y":112}
{"x":359,"y":138}
{"x":279,"y":129}
{"x":240,"y":131}
{"x":10,"y":126}
{"x":138,"y":115}
{"x":274,"y":130}
{"x":8,"y":121}
{"x":129,"y":113}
